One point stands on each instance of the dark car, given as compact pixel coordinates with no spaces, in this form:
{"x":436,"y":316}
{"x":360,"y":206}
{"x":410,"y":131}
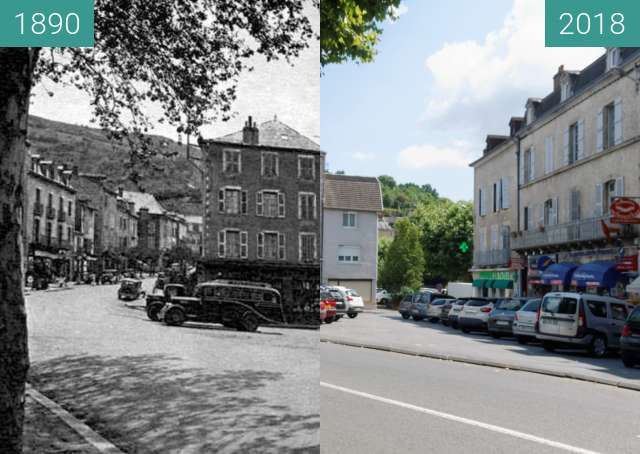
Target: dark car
{"x":109,"y":277}
{"x":501,"y":318}
{"x":130,"y":289}
{"x":239,"y":304}
{"x":630,"y":339}
{"x":155,"y":301}
{"x":422,"y":301}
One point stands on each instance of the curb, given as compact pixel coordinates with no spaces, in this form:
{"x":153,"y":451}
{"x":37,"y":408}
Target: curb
{"x":486,"y":363}
{"x":90,"y":436}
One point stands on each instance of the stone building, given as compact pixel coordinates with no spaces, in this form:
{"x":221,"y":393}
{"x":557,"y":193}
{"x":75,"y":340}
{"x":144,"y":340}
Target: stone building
{"x":85,"y":229}
{"x":193,"y":234}
{"x":50,"y":220}
{"x":262,"y":209}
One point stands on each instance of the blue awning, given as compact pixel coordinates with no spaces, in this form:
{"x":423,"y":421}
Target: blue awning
{"x":596,"y":274}
{"x":558,"y":274}
{"x":544,"y":262}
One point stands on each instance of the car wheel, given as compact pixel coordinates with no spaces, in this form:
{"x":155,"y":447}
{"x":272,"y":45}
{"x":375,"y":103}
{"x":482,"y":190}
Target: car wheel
{"x":494,"y":334}
{"x":445,"y":323}
{"x":385,"y":302}
{"x":249,"y":322}
{"x":628,"y":360}
{"x":549,"y":346}
{"x":466,"y":330}
{"x":434,"y":320}
{"x":406,"y":316}
{"x":174,"y":317}
{"x":454,"y":325}
{"x":353,"y":315}
{"x":522,"y":340}
{"x":153,"y":310}
{"x":417,"y":318}
{"x":598,"y":346}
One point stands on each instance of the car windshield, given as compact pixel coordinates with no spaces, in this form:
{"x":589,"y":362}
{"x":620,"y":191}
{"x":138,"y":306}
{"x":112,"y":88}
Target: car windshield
{"x":531,"y":306}
{"x":438,"y":302}
{"x":635,"y":315}
{"x":352,"y":293}
{"x":477,"y":303}
{"x":559,"y":304}
{"x":509,"y":305}
{"x":407,"y":299}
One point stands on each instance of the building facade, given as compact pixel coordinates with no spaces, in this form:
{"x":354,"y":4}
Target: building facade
{"x":578,"y":150}
{"x":262,"y":209}
{"x":86,"y":260}
{"x":193,"y":233}
{"x":350,"y":231}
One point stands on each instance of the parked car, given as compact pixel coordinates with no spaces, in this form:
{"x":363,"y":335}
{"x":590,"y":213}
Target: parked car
{"x":582,"y":321}
{"x":340,"y":299}
{"x":238,"y":304}
{"x":630,"y":339}
{"x":434,"y":309}
{"x":475,"y":314}
{"x":524,"y":322}
{"x":156,"y":301}
{"x":454,"y":312}
{"x":383,"y":297}
{"x":444,"y":312}
{"x":330,"y":306}
{"x":130,"y":289}
{"x":405,"y":306}
{"x":353,"y":301}
{"x":109,"y":277}
{"x":500,"y":322}
{"x":323,"y":311}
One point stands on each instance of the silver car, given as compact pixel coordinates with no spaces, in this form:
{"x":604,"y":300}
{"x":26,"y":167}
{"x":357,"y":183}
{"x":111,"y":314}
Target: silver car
{"x":524,"y":322}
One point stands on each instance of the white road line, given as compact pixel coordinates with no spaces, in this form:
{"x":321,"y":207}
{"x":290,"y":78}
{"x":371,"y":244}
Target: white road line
{"x":471,"y":422}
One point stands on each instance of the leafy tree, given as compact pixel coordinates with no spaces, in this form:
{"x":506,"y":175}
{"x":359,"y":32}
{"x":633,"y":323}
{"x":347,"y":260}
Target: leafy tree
{"x":445,"y":226}
{"x":403,"y":264}
{"x":402,"y":199}
{"x":350,"y":29}
{"x":185,"y":56}
{"x":387,"y":181}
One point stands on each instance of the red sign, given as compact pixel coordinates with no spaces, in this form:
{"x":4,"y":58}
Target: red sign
{"x":625,"y":210}
{"x":628,"y":263}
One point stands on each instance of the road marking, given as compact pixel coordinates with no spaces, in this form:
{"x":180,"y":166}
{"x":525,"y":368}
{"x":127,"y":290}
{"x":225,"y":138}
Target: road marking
{"x":471,"y":422}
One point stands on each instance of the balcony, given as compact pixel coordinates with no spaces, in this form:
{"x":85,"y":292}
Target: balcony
{"x":499,"y":257}
{"x":51,"y":213}
{"x":37,"y":209}
{"x":554,"y":235}
{"x":62,"y":216}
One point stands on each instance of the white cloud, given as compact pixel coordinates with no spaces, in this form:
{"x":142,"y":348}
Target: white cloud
{"x":480,"y":85}
{"x":398,"y":11}
{"x":433,"y":157}
{"x":363,"y":156}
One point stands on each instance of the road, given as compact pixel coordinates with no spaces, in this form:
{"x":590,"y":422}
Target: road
{"x":380,"y":402}
{"x":150,"y":388}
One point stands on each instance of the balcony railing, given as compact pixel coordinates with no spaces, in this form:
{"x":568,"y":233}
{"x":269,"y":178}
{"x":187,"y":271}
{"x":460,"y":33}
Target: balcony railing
{"x":499,"y":257}
{"x":37,"y":209}
{"x":51,"y":213}
{"x":550,"y":235}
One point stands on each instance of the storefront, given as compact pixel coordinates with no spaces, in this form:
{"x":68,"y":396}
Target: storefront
{"x":497,"y":284}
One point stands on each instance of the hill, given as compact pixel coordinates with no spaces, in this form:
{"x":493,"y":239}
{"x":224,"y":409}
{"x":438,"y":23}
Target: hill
{"x":174,"y":181}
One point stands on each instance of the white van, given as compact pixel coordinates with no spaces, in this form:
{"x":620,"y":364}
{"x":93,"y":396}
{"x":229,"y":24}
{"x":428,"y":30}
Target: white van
{"x":581,"y":320}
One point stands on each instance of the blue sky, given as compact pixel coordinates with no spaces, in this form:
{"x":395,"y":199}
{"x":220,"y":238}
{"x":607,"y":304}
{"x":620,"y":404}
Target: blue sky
{"x":446,"y":75}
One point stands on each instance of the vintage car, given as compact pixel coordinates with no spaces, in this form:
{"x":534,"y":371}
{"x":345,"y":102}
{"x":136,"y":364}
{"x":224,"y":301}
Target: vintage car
{"x":130,"y":289}
{"x":155,"y":301}
{"x":239,"y":304}
{"x":109,"y":277}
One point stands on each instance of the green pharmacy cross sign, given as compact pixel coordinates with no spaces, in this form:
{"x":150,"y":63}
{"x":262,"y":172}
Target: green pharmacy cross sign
{"x":464,"y":247}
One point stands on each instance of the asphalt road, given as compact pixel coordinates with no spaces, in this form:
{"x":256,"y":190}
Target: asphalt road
{"x":150,"y":388}
{"x":379,"y":402}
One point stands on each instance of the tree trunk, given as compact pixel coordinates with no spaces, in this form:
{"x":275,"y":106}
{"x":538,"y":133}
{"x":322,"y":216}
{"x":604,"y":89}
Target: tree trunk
{"x":16,"y":75}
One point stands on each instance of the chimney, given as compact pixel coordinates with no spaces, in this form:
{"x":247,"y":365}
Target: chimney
{"x":515,"y":125}
{"x":556,"y":78}
{"x":250,"y":133}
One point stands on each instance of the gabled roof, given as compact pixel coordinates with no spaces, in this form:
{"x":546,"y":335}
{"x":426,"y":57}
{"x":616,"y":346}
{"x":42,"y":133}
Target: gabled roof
{"x":346,"y":192}
{"x":274,"y":133}
{"x":144,"y":200}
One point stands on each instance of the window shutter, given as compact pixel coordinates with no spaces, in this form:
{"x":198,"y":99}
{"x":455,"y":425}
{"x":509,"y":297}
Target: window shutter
{"x":300,"y":199}
{"x":521,"y":169}
{"x":483,"y":203}
{"x":262,"y":163}
{"x":244,"y":203}
{"x":260,"y":243}
{"x":244,"y":245}
{"x":494,"y":237}
{"x":597,"y":203}
{"x":540,"y":214}
{"x":277,"y":164}
{"x":565,"y":150}
{"x":506,"y":198}
{"x":600,"y":133}
{"x":281,"y":207}
{"x":581,"y":139}
{"x":224,"y":161}
{"x":221,"y":207}
{"x":314,"y":207}
{"x":221,"y":243}
{"x":548,"y":155}
{"x":532,"y":169}
{"x":619,"y":186}
{"x":259,"y":207}
{"x":282,"y":255}
{"x":239,"y":162}
{"x":617,"y":113}
{"x":555,"y":212}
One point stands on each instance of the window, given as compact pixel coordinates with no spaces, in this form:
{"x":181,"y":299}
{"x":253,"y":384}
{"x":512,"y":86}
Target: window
{"x":505,"y":196}
{"x":307,"y":206}
{"x":69,"y":208}
{"x":559,"y":305}
{"x":231,"y":161}
{"x":525,"y":218}
{"x":348,"y":254}
{"x":308,"y":250}
{"x":574,"y":208}
{"x":597,"y":308}
{"x":609,"y":189}
{"x":565,"y":89}
{"x":36,"y":230}
{"x":605,"y":192}
{"x":618,"y":311}
{"x":271,"y":246}
{"x":270,"y":204}
{"x":38,"y":195}
{"x":550,"y":214}
{"x":495,"y":197}
{"x":269,"y":164}
{"x":306,"y":167}
{"x":349,"y":220}
{"x":48,"y":233}
{"x":548,"y":155}
{"x":613,"y":57}
{"x":574,"y":142}
{"x":482,"y":209}
{"x":232,"y":244}
{"x":529,"y":162}
{"x":232,"y":200}
{"x":608,"y":130}
{"x":50,"y":200}
{"x":59,"y":234}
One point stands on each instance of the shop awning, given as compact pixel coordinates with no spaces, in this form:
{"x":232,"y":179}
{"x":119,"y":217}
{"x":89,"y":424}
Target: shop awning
{"x":558,"y":274}
{"x":596,"y":274}
{"x":478,"y":283}
{"x":634,"y":287}
{"x":502,"y":284}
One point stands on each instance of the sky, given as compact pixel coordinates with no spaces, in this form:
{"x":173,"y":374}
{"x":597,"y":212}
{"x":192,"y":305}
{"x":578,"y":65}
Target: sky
{"x":273,"y":88}
{"x":447,"y":74}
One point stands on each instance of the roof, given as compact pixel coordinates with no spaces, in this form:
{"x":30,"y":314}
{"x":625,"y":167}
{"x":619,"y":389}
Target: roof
{"x":346,"y":192}
{"x":274,"y":133}
{"x":144,"y":200}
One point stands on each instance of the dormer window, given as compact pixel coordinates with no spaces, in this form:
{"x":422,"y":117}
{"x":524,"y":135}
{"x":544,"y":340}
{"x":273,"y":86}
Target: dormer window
{"x":531,"y":112}
{"x":613,"y":57}
{"x":565,"y":89}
